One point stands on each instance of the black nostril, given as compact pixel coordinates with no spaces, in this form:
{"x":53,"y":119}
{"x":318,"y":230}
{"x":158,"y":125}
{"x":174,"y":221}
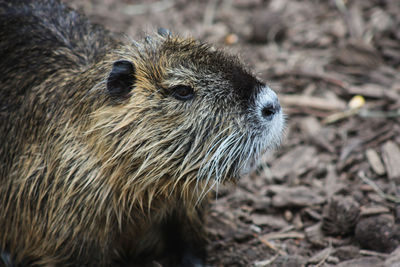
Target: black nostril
{"x":270,"y":109}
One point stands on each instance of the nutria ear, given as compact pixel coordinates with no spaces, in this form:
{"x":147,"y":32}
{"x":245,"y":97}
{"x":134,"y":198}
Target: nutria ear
{"x":121,"y":79}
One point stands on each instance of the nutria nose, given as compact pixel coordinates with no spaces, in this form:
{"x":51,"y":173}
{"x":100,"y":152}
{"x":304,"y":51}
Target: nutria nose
{"x":270,"y":109}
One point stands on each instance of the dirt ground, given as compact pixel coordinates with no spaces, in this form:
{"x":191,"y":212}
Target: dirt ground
{"x":331,"y":194}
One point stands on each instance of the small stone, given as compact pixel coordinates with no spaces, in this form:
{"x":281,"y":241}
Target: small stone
{"x":297,"y":222}
{"x":231,"y":39}
{"x":288,"y":215}
{"x":356,"y":102}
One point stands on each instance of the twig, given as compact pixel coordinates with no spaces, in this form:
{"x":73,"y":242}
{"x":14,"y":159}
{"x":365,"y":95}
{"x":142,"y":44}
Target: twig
{"x":271,"y":246}
{"x":311,"y":102}
{"x":373,"y":253}
{"x":379,"y":114}
{"x":365,"y":113}
{"x":377,"y":189}
{"x":340,"y":116}
{"x":288,"y":235}
{"x":323,"y":260}
{"x":266,"y":262}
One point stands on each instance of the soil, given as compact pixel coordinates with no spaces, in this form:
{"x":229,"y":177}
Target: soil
{"x":331,"y":194}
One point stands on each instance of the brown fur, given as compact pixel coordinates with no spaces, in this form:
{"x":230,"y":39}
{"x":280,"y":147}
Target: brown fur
{"x":89,"y":179}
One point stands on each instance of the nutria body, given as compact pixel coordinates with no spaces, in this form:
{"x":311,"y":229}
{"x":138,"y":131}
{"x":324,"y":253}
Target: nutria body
{"x":109,"y":147}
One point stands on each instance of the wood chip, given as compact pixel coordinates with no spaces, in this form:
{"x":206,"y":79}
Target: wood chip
{"x":391,"y":158}
{"x":332,"y":183}
{"x":347,"y":252}
{"x":299,"y":196}
{"x":279,"y":235}
{"x":358,"y":53}
{"x":315,"y":236}
{"x":311,"y":102}
{"x":269,"y":220}
{"x":310,"y":126}
{"x":296,"y":161}
{"x":288,"y":215}
{"x":373,"y":210}
{"x":375,"y":161}
{"x":355,"y":22}
{"x":321,"y":256}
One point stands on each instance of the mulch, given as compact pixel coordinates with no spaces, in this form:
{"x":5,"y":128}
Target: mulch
{"x":331,"y":194}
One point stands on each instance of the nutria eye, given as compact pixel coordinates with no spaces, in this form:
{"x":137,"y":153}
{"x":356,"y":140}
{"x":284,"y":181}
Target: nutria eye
{"x":183,"y":92}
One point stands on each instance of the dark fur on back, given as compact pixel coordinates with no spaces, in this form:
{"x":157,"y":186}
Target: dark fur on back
{"x":38,"y":39}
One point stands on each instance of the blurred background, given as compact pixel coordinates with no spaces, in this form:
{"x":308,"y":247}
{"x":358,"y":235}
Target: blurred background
{"x":331,"y":194}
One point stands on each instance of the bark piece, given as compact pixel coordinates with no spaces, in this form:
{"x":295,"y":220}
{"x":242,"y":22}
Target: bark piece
{"x":391,"y":158}
{"x":299,"y":196}
{"x":375,"y":161}
{"x":310,"y":126}
{"x":359,"y":53}
{"x":347,"y":252}
{"x":312,"y":102}
{"x":274,"y":222}
{"x":297,"y":161}
{"x":315,"y":236}
{"x":321,"y":256}
{"x":373,"y":210}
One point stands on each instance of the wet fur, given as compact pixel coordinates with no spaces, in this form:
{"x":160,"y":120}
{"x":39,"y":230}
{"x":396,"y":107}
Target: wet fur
{"x":87,"y":179}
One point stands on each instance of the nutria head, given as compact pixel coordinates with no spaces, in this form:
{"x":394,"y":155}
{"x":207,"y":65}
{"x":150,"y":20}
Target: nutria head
{"x":181,"y":111}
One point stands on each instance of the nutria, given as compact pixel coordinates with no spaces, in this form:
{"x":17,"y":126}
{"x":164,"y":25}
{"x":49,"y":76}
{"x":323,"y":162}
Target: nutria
{"x":109,"y":147}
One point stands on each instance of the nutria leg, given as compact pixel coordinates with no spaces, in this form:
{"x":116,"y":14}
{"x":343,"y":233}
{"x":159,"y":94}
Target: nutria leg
{"x":191,"y":260}
{"x":185,"y":240}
